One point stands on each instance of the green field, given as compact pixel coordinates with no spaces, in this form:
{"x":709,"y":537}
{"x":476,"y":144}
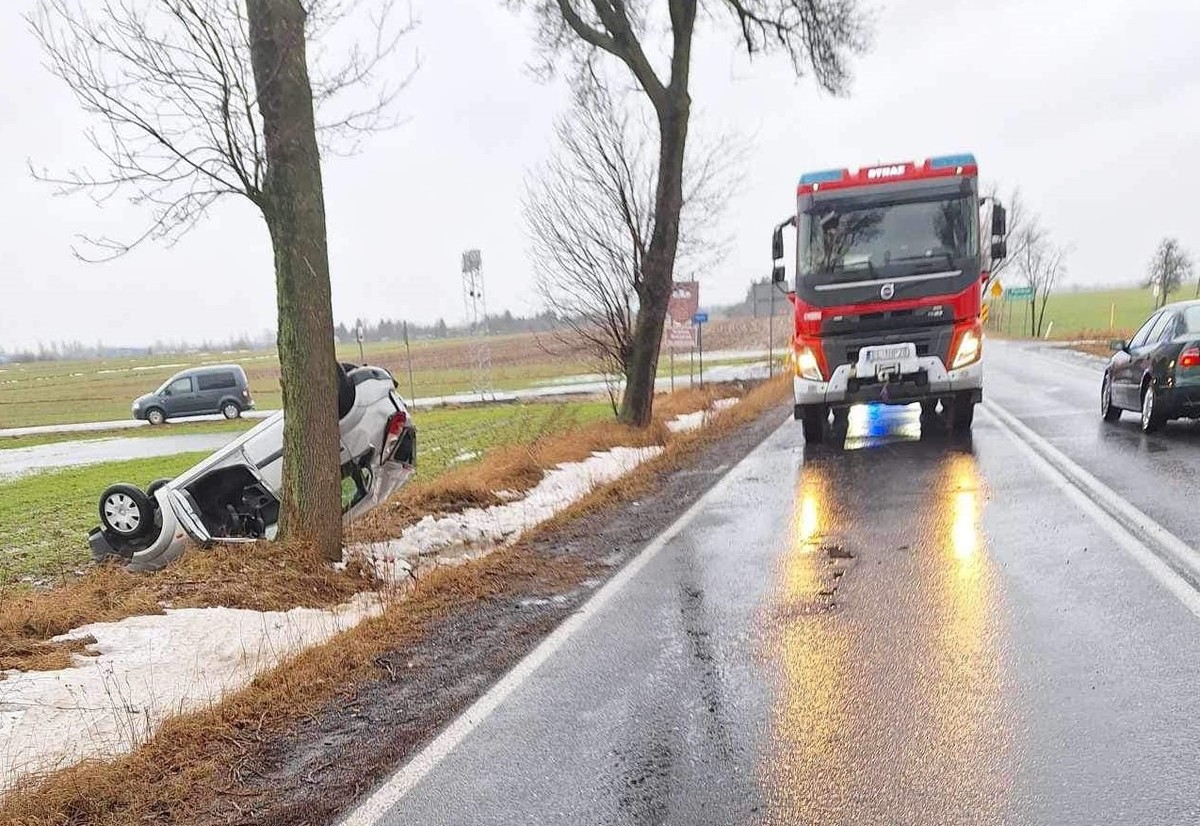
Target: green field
{"x":45,"y":517}
{"x":1086,"y":313}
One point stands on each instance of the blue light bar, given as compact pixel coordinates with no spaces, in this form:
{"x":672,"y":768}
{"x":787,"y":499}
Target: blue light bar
{"x":966,"y":159}
{"x":822,"y":177}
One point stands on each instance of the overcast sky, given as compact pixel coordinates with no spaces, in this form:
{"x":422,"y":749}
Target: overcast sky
{"x":1092,"y":107}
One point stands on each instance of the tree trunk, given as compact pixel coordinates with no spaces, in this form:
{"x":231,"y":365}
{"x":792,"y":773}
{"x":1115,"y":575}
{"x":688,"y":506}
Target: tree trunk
{"x":294,"y":209}
{"x":658,"y":269}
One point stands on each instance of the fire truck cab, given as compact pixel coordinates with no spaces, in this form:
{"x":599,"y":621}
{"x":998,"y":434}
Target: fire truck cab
{"x":890,"y":269}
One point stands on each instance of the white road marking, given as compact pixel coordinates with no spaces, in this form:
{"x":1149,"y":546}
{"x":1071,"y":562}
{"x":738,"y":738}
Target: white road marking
{"x":371,"y":810}
{"x":1170,"y":561}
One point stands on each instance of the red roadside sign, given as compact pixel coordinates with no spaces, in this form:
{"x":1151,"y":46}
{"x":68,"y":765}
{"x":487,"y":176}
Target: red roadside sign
{"x":684,"y":303}
{"x":680,"y":337}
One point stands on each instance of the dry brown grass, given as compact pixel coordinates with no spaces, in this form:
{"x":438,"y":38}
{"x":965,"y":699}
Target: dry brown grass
{"x":195,"y":759}
{"x":270,"y":576}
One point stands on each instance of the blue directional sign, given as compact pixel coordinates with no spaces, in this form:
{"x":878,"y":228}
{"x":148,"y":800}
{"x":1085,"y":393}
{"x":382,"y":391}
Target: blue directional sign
{"x":700,"y":318}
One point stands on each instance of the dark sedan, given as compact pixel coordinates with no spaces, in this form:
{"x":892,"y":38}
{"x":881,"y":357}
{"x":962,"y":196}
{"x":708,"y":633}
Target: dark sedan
{"x":1157,"y":371}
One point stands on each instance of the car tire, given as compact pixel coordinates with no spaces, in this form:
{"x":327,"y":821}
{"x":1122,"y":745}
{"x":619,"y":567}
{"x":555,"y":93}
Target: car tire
{"x":156,"y":416}
{"x":125,"y":511}
{"x":231,"y":410}
{"x":153,"y":487}
{"x":1153,"y":416}
{"x":814,"y":418}
{"x":1108,"y":410}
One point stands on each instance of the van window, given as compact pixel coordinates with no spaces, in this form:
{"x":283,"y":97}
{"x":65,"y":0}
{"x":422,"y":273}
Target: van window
{"x":216,"y":381}
{"x":179,"y":386}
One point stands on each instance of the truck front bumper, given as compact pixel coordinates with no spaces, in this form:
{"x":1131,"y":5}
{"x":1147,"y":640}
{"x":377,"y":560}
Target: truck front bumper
{"x":931,"y":381}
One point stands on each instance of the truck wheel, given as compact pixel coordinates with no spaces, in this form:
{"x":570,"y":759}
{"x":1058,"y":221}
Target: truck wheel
{"x":962,"y":414}
{"x":815,"y":418}
{"x":841,"y":420}
{"x":125,"y":511}
{"x":929,"y":409}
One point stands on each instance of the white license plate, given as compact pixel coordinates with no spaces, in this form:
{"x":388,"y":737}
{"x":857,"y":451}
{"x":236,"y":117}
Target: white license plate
{"x":888,"y":354}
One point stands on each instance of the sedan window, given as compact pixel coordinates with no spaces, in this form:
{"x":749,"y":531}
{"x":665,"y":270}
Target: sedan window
{"x":1160,"y":327}
{"x":1139,"y":338}
{"x":1191,"y":319}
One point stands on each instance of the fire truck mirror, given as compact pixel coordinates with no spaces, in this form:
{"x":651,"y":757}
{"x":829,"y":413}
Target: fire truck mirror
{"x":999,"y":221}
{"x":777,"y":275}
{"x":999,"y":250}
{"x":777,"y":244}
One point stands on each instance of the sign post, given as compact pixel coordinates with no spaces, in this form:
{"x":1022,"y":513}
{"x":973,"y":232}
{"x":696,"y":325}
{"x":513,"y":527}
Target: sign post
{"x":358,"y":334}
{"x":682,"y":305}
{"x":698,"y":319}
{"x":412,"y":388}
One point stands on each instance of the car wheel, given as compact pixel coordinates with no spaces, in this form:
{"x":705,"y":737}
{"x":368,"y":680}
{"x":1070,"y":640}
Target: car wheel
{"x":153,"y":487}
{"x":1108,"y":410}
{"x":125,"y":511}
{"x":231,"y":410}
{"x":1153,"y":417}
{"x":155,"y":416}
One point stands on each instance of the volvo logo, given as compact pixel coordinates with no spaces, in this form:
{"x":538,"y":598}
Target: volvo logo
{"x":887,"y":291}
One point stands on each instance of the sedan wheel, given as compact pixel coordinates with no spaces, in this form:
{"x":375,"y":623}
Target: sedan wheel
{"x":1152,"y":418}
{"x":1108,"y":410}
{"x":125,"y":511}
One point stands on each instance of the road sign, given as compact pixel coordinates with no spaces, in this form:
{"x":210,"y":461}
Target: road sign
{"x":700,"y":318}
{"x":1019,"y":293}
{"x":684,"y":301}
{"x":681,"y":337}
{"x":997,"y":290}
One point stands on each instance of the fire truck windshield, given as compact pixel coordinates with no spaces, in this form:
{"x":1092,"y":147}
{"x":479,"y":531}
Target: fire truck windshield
{"x":848,"y":237}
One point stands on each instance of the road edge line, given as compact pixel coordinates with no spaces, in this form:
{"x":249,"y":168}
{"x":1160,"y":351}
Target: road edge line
{"x":406,"y":778}
{"x":1092,"y":496}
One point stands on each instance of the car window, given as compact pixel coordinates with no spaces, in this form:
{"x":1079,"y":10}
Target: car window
{"x":178,"y":386}
{"x":1139,"y":338}
{"x":1160,"y":326}
{"x":1170,"y":329}
{"x":216,"y":381}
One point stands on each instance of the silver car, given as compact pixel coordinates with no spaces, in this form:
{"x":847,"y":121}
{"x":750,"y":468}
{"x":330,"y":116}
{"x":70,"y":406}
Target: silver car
{"x":233,"y":495}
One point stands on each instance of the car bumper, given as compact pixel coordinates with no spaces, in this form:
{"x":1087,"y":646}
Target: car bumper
{"x":1180,"y":400}
{"x":931,"y":380}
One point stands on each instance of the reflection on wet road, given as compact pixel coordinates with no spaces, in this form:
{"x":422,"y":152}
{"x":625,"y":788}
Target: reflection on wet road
{"x":898,"y":628}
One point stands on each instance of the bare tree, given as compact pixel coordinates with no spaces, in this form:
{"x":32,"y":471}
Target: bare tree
{"x":200,"y":99}
{"x":1018,"y":226}
{"x":1170,"y":267}
{"x":589,"y":213}
{"x":816,"y":35}
{"x":1040,"y":263}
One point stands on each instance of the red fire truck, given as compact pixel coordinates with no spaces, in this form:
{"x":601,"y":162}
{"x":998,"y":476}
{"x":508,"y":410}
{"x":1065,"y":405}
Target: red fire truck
{"x":890,"y":270}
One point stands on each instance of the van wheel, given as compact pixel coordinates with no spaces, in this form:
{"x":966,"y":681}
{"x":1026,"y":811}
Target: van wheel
{"x":231,"y":410}
{"x":155,"y":416}
{"x":125,"y":511}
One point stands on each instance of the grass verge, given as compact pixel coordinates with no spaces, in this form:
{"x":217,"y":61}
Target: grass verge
{"x":196,"y":760}
{"x":516,"y":443}
{"x":172,"y":428}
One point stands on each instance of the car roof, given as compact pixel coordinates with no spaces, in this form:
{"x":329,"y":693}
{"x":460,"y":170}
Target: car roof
{"x":211,"y":368}
{"x":1183,"y":305}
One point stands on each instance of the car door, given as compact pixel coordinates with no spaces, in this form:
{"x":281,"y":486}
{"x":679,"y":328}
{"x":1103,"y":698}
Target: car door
{"x":1122,"y":367}
{"x":1141,"y":356}
{"x":1161,"y":346}
{"x":180,"y":397}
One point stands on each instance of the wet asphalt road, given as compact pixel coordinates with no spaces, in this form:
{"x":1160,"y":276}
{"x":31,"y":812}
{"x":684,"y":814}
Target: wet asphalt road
{"x":21,"y":460}
{"x":989,"y":654}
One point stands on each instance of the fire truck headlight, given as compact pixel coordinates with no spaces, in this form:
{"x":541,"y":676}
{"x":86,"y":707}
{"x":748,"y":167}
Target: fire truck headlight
{"x":805,"y":362}
{"x":970,"y":348}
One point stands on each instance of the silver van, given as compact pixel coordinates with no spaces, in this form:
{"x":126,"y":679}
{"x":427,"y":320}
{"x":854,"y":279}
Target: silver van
{"x":199,"y":391}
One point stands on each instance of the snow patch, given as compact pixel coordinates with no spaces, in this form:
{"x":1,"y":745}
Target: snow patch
{"x":466,"y":456}
{"x":149,"y":668}
{"x":478,"y":530}
{"x":694,"y":421}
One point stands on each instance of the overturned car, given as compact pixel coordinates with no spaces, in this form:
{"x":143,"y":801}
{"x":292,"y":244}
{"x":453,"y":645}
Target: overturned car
{"x":233,"y":495}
